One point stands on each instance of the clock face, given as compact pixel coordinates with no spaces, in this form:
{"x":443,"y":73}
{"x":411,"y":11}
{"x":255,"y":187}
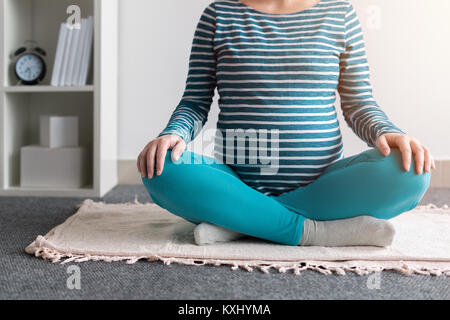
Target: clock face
{"x":29,"y":67}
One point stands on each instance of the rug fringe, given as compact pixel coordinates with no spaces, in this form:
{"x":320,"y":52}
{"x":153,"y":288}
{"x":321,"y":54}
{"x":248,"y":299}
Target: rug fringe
{"x":39,"y":249}
{"x":296,"y":267}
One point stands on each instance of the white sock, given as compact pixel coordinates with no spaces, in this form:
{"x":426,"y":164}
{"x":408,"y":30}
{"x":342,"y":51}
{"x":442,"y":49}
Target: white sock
{"x":357,"y":231}
{"x":206,"y":233}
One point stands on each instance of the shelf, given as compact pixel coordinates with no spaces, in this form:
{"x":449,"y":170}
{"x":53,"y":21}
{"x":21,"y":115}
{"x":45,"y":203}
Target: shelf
{"x":86,"y":191}
{"x":45,"y":88}
{"x":22,"y":106}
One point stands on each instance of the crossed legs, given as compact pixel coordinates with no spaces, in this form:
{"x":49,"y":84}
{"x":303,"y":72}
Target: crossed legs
{"x":367,"y":184}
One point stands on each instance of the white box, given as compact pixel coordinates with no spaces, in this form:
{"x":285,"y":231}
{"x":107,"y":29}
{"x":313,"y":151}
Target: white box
{"x":58,"y":131}
{"x":52,"y":167}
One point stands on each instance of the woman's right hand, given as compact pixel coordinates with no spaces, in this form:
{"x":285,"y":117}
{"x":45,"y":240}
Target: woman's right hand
{"x":155,"y":152}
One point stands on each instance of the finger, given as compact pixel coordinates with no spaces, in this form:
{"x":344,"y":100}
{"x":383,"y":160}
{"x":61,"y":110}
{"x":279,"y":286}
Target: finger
{"x":138,"y":160}
{"x":160,"y":157}
{"x":383,"y":145}
{"x":433,"y":164}
{"x":142,"y":162}
{"x":177,"y":150}
{"x":427,"y":159}
{"x":151,"y":160}
{"x":405,"y":149}
{"x":139,"y":163}
{"x":418,"y":155}
{"x":142,"y":159}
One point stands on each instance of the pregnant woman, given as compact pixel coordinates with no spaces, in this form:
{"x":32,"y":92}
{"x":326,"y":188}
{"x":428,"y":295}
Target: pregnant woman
{"x":277,"y":66}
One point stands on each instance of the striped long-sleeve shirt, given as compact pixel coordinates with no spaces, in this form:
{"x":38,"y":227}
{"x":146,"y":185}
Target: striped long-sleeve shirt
{"x":280,"y":72}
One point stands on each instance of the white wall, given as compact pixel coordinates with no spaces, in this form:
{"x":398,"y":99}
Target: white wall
{"x":408,"y":48}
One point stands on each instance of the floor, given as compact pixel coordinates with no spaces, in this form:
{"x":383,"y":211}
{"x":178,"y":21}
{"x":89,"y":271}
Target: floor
{"x":26,"y":277}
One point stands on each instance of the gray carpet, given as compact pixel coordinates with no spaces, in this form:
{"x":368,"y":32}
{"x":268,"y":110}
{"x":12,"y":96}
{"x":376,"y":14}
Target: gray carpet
{"x":26,"y":277}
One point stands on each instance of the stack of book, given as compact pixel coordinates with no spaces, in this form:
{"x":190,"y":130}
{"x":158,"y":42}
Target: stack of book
{"x":73,"y":54}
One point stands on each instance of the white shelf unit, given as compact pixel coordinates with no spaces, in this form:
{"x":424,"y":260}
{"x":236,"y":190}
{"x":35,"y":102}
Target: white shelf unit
{"x":95,"y":103}
{"x":47,"y":88}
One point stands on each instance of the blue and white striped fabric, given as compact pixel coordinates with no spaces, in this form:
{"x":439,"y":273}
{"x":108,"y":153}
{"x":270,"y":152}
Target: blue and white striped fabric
{"x":281,"y":71}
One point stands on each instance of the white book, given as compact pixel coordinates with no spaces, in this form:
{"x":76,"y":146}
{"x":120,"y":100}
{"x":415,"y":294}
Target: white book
{"x":72,"y":54}
{"x":65,"y":60}
{"x":79,"y":53}
{"x":83,"y":49}
{"x":58,"y":55}
{"x":87,"y":53}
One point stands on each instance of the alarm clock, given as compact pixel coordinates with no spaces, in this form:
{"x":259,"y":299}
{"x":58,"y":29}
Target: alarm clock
{"x":29,"y":64}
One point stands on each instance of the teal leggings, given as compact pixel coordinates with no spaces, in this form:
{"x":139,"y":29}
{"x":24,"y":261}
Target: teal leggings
{"x":364,"y":184}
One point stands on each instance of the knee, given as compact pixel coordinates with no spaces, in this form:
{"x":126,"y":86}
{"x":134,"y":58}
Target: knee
{"x":171,"y":171}
{"x":176,"y":178}
{"x":420,"y":182}
{"x":160,"y":186}
{"x":409,"y":184}
{"x":170,"y":190}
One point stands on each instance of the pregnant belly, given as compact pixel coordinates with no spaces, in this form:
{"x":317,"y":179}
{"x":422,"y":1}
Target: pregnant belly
{"x":276,"y":159}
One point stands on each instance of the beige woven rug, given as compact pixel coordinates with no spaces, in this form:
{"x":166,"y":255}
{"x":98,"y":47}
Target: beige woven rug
{"x":133,"y":231}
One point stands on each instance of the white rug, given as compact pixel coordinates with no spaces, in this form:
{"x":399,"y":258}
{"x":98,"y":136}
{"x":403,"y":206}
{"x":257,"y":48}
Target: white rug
{"x":133,"y":231}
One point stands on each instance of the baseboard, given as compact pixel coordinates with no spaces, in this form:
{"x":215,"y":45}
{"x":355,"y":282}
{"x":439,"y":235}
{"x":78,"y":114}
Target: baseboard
{"x":440,"y":177}
{"x":129,"y":175}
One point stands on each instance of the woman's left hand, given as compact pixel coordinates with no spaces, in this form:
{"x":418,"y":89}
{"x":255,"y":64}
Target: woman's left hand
{"x":407,"y":145}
